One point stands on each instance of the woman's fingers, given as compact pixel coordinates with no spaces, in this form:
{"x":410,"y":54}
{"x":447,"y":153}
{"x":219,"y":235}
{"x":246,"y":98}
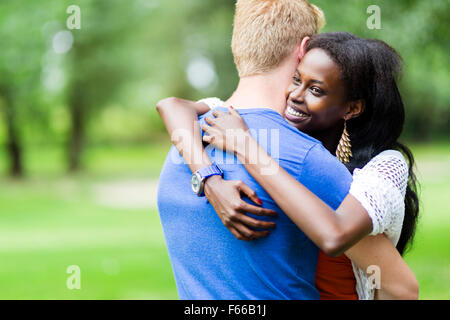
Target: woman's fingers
{"x":208,"y":139}
{"x":205,"y":127}
{"x":209,"y":121}
{"x":218,"y":113}
{"x":249,"y":192}
{"x":237,"y":234}
{"x":255,"y":223}
{"x":250,"y":234}
{"x":234,"y":112}
{"x":248,"y":208}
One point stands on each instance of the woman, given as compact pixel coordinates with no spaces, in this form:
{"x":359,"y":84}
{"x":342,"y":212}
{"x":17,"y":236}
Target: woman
{"x":345,"y":95}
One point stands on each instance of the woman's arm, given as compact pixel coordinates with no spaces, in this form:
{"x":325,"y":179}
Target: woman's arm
{"x":332,"y":231}
{"x":397,"y":279}
{"x":181,"y":120}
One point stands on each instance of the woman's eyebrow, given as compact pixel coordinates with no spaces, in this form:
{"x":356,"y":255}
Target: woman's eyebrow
{"x":297,"y":73}
{"x":316,"y":81}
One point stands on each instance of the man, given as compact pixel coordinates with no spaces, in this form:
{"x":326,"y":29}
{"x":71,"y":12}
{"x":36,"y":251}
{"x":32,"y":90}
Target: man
{"x":269,"y":40}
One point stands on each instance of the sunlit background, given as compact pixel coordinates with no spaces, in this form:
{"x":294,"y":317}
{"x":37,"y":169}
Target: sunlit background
{"x":81,"y":145}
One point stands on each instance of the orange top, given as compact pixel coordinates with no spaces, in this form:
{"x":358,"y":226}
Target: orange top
{"x":335,"y":279}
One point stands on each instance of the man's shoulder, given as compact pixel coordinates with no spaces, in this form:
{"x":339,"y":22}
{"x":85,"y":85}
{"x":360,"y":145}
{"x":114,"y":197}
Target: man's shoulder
{"x":281,"y":140}
{"x":268,"y":119}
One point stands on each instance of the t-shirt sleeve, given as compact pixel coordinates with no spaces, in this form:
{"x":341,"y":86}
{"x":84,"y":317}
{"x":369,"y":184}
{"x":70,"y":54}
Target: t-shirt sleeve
{"x":380,"y":187}
{"x":325,"y":176}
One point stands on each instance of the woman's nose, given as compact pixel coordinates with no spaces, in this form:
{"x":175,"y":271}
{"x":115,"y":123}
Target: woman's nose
{"x":297,"y":93}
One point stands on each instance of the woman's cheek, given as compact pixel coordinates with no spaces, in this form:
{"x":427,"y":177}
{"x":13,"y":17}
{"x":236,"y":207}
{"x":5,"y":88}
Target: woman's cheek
{"x":314,"y":103}
{"x":320,"y":110}
{"x":291,"y":89}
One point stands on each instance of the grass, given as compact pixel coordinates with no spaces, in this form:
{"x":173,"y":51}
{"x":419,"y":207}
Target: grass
{"x":50,"y":221}
{"x":429,"y":256}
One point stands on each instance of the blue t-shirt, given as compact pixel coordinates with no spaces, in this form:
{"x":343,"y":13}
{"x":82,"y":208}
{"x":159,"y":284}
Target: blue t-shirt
{"x":207,"y":260}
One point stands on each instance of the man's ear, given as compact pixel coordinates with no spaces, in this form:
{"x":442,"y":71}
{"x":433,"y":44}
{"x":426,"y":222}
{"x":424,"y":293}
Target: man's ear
{"x":302,"y":48}
{"x":354,"y":109}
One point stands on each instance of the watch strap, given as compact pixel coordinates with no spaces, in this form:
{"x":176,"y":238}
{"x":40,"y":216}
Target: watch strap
{"x":209,"y":171}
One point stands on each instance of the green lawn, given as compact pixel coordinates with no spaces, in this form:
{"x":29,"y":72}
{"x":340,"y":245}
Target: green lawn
{"x":51,"y":221}
{"x":430,"y":255}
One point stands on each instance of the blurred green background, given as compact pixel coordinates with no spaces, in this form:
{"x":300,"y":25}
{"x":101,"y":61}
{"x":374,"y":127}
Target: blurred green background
{"x":81,"y":145}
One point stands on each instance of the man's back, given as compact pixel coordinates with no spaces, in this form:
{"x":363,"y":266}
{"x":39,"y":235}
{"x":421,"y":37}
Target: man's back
{"x":208,"y":261}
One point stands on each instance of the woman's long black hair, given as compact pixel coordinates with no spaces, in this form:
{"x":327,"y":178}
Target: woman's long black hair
{"x":369,"y":68}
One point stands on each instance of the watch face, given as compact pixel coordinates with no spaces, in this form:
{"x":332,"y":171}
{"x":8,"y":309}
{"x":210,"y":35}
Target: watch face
{"x":195,"y":183}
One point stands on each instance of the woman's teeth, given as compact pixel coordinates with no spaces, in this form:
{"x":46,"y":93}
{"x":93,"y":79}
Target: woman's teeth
{"x":291,"y":111}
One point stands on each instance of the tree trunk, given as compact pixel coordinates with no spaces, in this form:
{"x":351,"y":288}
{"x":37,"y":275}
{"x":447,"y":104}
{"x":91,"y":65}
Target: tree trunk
{"x":13,"y":143}
{"x":76,"y":139}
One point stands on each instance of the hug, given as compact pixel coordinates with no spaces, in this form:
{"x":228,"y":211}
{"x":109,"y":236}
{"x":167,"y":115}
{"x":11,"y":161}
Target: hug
{"x":330,"y":202}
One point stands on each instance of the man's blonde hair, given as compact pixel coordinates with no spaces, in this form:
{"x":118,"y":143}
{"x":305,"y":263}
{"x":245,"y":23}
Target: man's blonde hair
{"x":266,"y":31}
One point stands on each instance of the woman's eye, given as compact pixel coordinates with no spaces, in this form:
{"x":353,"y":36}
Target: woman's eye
{"x":297,"y":80}
{"x":316,"y":90}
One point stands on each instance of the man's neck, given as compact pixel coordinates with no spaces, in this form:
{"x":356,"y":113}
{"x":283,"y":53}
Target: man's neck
{"x":262,"y":91}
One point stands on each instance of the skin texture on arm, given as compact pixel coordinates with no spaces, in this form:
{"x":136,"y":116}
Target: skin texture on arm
{"x":181,"y":120}
{"x":332,"y":231}
{"x":397,"y":279}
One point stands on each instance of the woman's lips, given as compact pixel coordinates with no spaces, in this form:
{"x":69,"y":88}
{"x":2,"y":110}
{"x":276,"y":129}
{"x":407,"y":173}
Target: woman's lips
{"x":295,"y":115}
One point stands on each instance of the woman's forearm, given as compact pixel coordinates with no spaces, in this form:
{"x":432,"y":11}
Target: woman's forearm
{"x":181,"y":120}
{"x":385,"y":267}
{"x":332,"y":231}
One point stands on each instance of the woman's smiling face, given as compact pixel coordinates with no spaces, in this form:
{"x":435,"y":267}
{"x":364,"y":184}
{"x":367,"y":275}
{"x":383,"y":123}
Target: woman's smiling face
{"x":317,"y":97}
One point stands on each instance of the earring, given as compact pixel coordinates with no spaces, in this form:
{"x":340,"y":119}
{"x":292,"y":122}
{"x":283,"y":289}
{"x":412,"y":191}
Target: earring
{"x":344,"y":148}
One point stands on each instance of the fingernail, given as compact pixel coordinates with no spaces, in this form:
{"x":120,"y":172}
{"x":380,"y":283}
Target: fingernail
{"x":260,"y":201}
{"x":231,"y":107}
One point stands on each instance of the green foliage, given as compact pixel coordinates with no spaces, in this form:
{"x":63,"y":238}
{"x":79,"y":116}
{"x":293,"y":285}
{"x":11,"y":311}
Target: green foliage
{"x":129,"y":54}
{"x":420,"y":32}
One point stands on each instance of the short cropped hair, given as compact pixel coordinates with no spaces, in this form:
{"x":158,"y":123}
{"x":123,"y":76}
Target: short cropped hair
{"x":266,"y":31}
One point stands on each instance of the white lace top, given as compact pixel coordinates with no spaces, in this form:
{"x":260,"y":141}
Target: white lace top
{"x":380,"y":187}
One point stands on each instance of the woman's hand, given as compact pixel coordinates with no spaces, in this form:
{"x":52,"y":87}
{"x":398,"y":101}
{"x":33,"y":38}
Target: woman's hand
{"x":227,"y":131}
{"x":225,"y":197}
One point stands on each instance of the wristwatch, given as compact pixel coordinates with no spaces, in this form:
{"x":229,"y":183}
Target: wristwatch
{"x":199,"y":177}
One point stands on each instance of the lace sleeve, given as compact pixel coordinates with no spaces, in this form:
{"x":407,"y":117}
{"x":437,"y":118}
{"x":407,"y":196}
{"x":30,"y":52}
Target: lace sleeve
{"x":380,"y":187}
{"x":212,"y":102}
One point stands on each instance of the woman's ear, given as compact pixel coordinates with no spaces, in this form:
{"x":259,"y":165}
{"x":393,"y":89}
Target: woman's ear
{"x":354,"y":109}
